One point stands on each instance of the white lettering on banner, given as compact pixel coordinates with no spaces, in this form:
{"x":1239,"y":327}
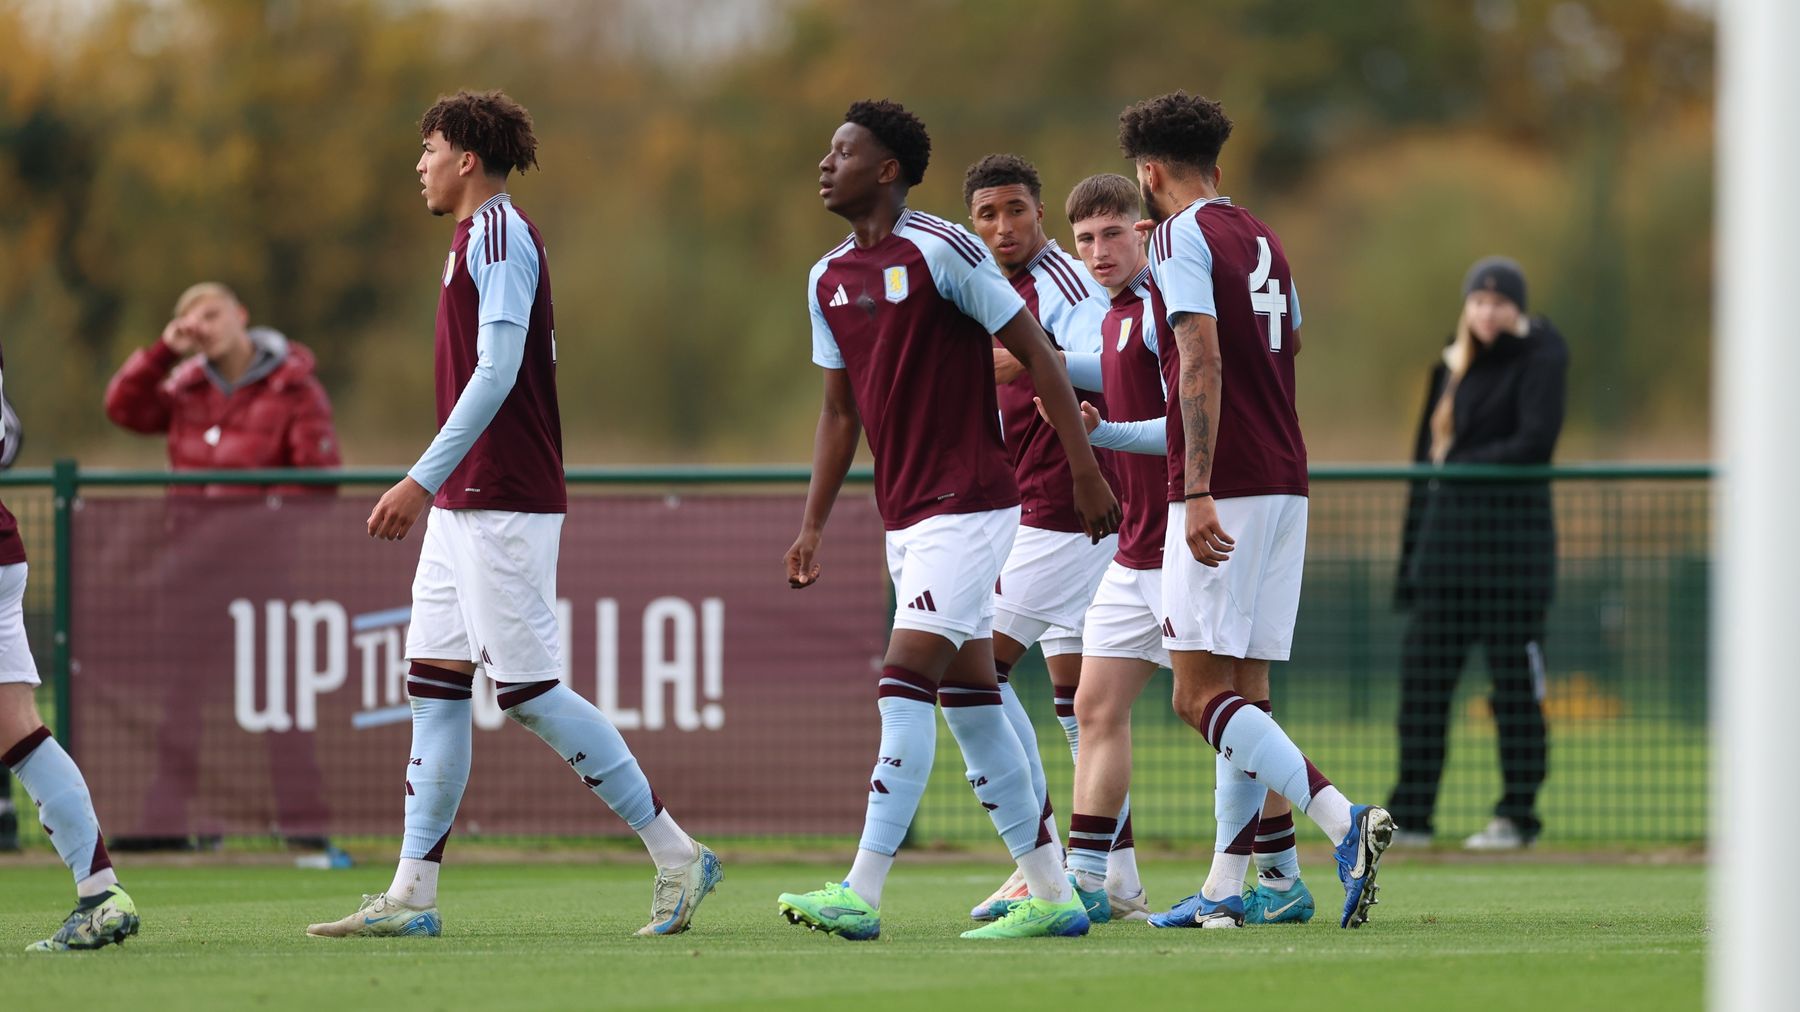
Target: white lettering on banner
{"x":383,"y":666}
{"x":606,"y":655}
{"x":273,"y":714}
{"x":314,"y":621}
{"x":682,"y":676}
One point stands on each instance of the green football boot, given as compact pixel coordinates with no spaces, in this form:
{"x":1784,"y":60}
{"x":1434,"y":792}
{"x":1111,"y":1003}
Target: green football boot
{"x":1036,"y":918}
{"x":106,"y":919}
{"x":835,"y":910}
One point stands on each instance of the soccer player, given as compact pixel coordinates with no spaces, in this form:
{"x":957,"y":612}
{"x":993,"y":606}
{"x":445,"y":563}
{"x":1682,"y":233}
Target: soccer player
{"x":1123,"y":636}
{"x":902,"y":311}
{"x":103,"y":914}
{"x":1053,"y":568}
{"x":1236,"y":537}
{"x":485,"y":591}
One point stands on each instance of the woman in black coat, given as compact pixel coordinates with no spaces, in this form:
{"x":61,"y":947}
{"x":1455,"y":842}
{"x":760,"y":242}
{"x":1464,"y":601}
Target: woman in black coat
{"x":1478,"y":558}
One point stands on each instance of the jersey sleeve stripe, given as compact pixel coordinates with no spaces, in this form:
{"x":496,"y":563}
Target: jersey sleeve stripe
{"x":944,"y":231}
{"x":956,"y":236}
{"x":505,"y":228}
{"x":949,"y":240}
{"x":1062,"y":284}
{"x":1070,"y":284}
{"x":487,"y":237}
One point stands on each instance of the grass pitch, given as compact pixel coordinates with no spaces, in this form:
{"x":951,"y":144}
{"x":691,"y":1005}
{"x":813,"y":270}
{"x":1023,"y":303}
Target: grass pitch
{"x":1485,"y":935}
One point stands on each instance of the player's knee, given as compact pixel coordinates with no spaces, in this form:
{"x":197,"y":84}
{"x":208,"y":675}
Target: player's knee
{"x":1190,"y":704}
{"x":1101,"y":717}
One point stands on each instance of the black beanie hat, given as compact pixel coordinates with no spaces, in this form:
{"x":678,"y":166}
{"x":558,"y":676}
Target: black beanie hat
{"x":1497,"y":274}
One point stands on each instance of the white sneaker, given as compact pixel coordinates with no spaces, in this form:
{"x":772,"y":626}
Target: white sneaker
{"x":381,"y":917}
{"x":679,"y":892}
{"x":1128,"y":908}
{"x":1012,"y":891}
{"x":1500,"y":834}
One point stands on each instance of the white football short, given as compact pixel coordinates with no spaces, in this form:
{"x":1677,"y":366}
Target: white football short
{"x":1244,"y":607}
{"x":485,"y":592}
{"x":16,"y":665}
{"x":1126,"y":617}
{"x":1046,"y":586}
{"x":944,"y":568}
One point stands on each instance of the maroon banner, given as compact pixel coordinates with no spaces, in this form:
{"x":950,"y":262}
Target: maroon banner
{"x":238,"y":667}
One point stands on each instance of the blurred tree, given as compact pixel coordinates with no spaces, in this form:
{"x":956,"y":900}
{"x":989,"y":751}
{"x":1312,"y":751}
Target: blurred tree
{"x":145,"y":144}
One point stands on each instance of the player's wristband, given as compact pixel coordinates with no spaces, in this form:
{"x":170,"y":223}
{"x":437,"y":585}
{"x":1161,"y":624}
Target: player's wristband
{"x":1196,"y":495}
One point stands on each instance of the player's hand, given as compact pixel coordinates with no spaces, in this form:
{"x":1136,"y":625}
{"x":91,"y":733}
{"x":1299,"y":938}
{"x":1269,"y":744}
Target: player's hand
{"x":802,"y":569}
{"x":1205,"y":538}
{"x":398,"y":510}
{"x":179,"y":339}
{"x":1007,"y":366}
{"x":1096,"y":506}
{"x":1090,"y":415}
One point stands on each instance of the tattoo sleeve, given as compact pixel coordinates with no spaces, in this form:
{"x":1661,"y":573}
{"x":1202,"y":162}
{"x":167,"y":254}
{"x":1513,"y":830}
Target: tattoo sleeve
{"x":1197,"y":340}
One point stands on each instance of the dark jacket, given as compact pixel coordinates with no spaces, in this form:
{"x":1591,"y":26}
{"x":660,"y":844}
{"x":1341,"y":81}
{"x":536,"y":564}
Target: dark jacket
{"x":1490,"y":545}
{"x":276,"y":415}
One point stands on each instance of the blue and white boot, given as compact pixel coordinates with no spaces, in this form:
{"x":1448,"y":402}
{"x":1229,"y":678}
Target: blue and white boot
{"x":1359,"y":858}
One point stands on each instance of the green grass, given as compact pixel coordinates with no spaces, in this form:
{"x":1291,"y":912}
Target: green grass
{"x":1488,"y":935}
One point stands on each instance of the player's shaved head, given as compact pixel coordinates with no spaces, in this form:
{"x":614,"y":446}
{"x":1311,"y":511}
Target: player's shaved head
{"x":1001,"y":170}
{"x":897,"y":130}
{"x":487,"y":123}
{"x":1184,"y":132}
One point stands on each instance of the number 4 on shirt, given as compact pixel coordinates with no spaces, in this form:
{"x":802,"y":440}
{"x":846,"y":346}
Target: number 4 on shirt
{"x":1266,"y":296}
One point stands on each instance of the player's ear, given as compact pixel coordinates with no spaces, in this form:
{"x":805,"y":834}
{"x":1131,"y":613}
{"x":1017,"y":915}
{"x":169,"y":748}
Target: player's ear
{"x":889,"y":171}
{"x":1216,"y":176}
{"x":468,"y":164}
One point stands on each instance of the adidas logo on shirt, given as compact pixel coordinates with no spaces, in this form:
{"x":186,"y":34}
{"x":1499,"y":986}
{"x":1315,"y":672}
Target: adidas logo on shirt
{"x":840,"y":299}
{"x":924,"y":602}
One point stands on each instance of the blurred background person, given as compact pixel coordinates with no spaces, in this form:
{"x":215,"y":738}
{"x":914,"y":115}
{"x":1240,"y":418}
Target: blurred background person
{"x":228,"y":395}
{"x":1478,"y":559}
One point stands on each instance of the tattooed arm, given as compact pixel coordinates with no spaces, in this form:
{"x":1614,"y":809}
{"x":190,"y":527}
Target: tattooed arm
{"x":1197,"y":340}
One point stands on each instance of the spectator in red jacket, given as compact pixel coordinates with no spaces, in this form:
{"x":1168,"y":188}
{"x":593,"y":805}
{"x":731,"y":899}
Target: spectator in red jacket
{"x":249,"y":399}
{"x":229,"y":396}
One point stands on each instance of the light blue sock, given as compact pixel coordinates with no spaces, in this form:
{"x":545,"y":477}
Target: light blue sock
{"x":997,"y":768}
{"x":1237,"y":802}
{"x":908,"y":745}
{"x":588,"y":742}
{"x":65,"y":809}
{"x":1021,"y":725}
{"x":436,"y":773}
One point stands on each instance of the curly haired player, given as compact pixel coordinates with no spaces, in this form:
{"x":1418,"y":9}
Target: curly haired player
{"x":485,"y":591}
{"x":1236,"y":537}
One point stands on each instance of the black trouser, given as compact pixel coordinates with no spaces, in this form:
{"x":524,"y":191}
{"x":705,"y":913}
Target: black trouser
{"x":1438,"y":639}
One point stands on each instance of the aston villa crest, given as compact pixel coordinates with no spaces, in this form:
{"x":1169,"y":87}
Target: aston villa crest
{"x":894,"y":282}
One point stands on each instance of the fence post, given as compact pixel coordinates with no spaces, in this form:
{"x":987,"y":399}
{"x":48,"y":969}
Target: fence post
{"x":65,"y":486}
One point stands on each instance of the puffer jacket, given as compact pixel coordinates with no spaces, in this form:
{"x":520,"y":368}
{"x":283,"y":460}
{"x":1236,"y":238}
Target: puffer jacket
{"x":276,"y":415}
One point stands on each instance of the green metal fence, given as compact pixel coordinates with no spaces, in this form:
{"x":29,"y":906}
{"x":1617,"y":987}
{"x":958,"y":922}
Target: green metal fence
{"x":1623,"y":648}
